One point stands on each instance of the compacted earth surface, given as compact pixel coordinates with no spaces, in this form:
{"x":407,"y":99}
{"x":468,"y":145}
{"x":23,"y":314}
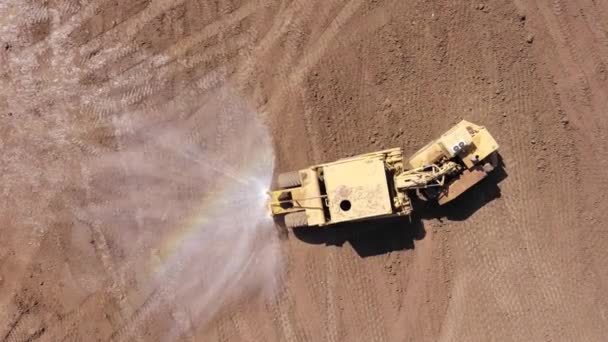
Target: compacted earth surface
{"x":521,"y":257}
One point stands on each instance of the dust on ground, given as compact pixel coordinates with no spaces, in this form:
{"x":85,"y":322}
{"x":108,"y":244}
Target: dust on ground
{"x":520,"y":260}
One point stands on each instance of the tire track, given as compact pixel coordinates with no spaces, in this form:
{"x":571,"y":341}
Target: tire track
{"x":353,"y":35}
{"x":292,"y":23}
{"x":184,"y":327}
{"x":212,"y":29}
{"x":358,"y":287}
{"x":317,"y":50}
{"x":67,"y":9}
{"x":573,"y":111}
{"x":566,"y":29}
{"x":601,"y":36}
{"x":141,"y":71}
{"x":117,"y":288}
{"x":163,"y":64}
{"x":66,"y":328}
{"x":314,"y":289}
{"x":539,"y":247}
{"x":105,"y":20}
{"x":456,"y":311}
{"x":499,"y":263}
{"x":124,"y":31}
{"x":331,"y":314}
{"x":308,"y":61}
{"x":592,"y":20}
{"x":540,"y":251}
{"x":61,"y":33}
{"x":224,"y":331}
{"x":243,"y":328}
{"x":15,"y":325}
{"x":462,"y":74}
{"x":129,"y":330}
{"x":278,"y":29}
{"x":138,"y":90}
{"x":592,"y":129}
{"x":506,"y":295}
{"x":493,"y":264}
{"x":27,"y":225}
{"x":281,"y":312}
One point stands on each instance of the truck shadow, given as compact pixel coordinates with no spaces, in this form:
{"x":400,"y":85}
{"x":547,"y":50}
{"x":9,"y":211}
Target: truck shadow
{"x":367,"y":238}
{"x":375,"y":237}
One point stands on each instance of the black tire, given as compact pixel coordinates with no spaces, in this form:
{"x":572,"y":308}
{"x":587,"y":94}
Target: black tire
{"x":285,"y":196}
{"x":428,"y":194}
{"x":288,"y":180}
{"x":296,"y":219}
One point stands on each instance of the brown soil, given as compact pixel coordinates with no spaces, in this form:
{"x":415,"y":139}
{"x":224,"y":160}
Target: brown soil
{"x":522,"y":257}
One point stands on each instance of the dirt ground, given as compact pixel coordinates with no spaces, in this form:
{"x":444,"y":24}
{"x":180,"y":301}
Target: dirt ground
{"x":522,"y":257}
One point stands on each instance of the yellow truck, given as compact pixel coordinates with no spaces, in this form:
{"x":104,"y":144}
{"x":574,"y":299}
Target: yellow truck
{"x":379,"y":184}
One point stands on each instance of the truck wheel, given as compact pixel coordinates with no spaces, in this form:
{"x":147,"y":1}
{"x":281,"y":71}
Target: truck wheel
{"x":296,"y":219}
{"x":428,"y":194}
{"x":289,"y":180}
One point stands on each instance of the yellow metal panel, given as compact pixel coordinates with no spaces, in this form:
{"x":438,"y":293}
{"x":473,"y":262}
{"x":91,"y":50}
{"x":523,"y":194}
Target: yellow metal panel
{"x":275,"y":205}
{"x":427,"y":155}
{"x":393,"y":154}
{"x":306,"y":197}
{"x":311,"y":197}
{"x":483,"y":145}
{"x":357,"y":189}
{"x":456,"y":140}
